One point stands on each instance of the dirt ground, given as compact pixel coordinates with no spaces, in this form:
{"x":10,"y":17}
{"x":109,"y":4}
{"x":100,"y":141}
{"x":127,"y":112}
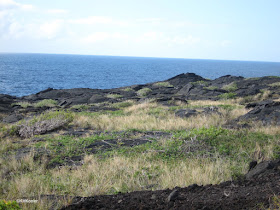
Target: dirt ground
{"x":256,"y":193}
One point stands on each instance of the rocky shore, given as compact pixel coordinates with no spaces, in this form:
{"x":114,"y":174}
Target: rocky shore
{"x":184,"y":117}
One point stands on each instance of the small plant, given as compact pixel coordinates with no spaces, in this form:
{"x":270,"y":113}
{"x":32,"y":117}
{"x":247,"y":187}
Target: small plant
{"x":114,"y":96}
{"x":163,"y":84}
{"x":144,"y":91}
{"x":9,"y":205}
{"x":230,"y":87}
{"x":46,"y":102}
{"x":227,"y":95}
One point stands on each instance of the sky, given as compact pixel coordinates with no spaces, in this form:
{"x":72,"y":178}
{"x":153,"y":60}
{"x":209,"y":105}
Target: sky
{"x":199,"y":29}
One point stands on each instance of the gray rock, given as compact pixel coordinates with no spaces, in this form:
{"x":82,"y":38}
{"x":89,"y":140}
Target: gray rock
{"x":12,"y":118}
{"x":259,"y":169}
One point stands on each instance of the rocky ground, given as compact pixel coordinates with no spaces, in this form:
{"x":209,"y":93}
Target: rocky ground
{"x":259,"y":189}
{"x":42,"y":124}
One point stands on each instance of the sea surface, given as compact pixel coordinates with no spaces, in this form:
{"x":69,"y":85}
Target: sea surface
{"x":24,"y":74}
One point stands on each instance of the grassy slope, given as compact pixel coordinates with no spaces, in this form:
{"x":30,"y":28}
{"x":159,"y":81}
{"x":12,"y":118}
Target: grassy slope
{"x":199,"y":151}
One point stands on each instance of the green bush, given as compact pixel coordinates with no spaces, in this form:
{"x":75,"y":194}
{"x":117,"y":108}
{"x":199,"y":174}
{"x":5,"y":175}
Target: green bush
{"x":9,"y":205}
{"x":144,"y":91}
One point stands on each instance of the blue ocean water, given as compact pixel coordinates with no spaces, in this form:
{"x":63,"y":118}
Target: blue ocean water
{"x":24,"y":74}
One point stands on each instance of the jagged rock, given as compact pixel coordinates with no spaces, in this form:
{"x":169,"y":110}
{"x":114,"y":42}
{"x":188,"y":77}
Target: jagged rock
{"x":261,"y":168}
{"x":183,"y":79}
{"x":6,"y":102}
{"x":185,"y":113}
{"x":12,"y":118}
{"x":267,"y":112}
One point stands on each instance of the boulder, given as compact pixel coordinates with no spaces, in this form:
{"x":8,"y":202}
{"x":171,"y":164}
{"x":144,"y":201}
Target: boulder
{"x":261,"y":168}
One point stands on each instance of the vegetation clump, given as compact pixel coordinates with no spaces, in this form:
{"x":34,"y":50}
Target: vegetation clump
{"x":162,"y":84}
{"x":144,"y":91}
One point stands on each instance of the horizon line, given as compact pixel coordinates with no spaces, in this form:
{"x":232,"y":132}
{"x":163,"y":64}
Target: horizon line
{"x":140,"y":56}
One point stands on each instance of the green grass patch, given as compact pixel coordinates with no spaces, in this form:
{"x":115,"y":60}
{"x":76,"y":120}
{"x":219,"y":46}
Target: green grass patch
{"x":23,"y":104}
{"x":46,"y":102}
{"x":211,"y":88}
{"x":230,"y":87}
{"x":122,"y":104}
{"x":201,"y":82}
{"x":227,"y":95}
{"x":162,"y":84}
{"x":114,"y":96}
{"x":144,"y":92}
{"x":275,"y":84}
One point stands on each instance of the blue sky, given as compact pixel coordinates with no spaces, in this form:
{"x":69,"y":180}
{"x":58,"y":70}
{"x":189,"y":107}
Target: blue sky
{"x":203,"y":29}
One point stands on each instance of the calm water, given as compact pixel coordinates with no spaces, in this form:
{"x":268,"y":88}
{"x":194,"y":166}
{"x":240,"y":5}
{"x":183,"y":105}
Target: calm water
{"x":23,"y":74}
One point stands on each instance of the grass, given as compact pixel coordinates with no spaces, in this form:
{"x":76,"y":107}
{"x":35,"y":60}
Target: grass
{"x":162,"y":84}
{"x":229,"y":95}
{"x":114,"y":96}
{"x":144,"y":92}
{"x":275,"y":84}
{"x":211,"y":88}
{"x":201,"y":82}
{"x":230,"y":87}
{"x":198,"y":150}
{"x":42,"y":103}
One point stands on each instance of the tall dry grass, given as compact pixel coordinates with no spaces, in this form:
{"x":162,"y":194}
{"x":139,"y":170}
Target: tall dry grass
{"x":139,"y":117}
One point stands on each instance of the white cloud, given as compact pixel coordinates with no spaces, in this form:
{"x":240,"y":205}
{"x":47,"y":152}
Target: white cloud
{"x":99,"y":20}
{"x":102,"y":36}
{"x":50,"y":30}
{"x":93,"y":20}
{"x":57,"y":11}
{"x":225,"y":43}
{"x":189,"y":40}
{"x":10,"y":4}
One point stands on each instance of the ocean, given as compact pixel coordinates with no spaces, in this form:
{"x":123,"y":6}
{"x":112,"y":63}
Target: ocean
{"x":24,"y":74}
